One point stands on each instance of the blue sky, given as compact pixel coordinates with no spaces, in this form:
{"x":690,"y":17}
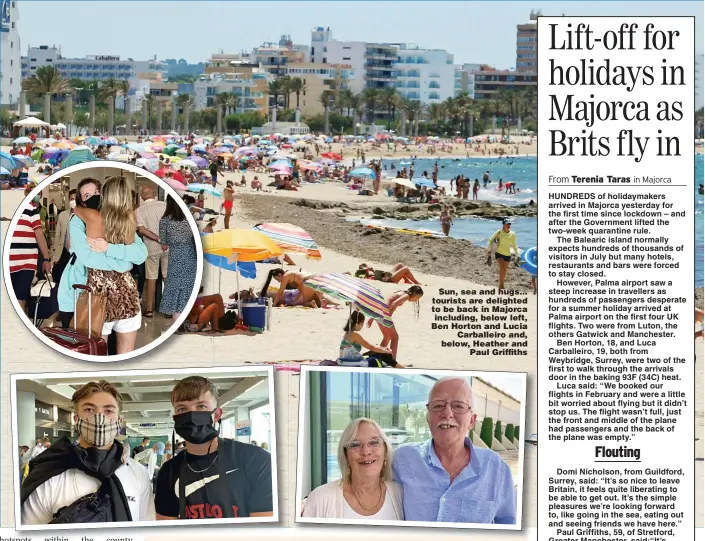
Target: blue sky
{"x":477,"y":32}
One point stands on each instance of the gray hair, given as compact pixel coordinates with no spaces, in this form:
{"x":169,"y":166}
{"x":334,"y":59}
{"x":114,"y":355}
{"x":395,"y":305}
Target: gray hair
{"x":454,"y":378}
{"x":348,"y":435}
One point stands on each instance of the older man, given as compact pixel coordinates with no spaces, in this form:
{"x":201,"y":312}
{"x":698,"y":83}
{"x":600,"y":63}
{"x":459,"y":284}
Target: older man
{"x":446,"y":479}
{"x":148,"y":215}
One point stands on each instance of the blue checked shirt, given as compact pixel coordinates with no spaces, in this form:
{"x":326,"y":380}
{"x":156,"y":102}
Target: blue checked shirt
{"x":483,"y":492}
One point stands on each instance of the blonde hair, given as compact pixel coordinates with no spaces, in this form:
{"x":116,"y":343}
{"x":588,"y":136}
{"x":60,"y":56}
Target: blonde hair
{"x":348,"y":435}
{"x":119,"y":221}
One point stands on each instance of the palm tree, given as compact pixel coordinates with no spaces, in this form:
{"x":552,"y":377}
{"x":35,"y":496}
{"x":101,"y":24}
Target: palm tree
{"x":124,"y":89}
{"x":390,"y":99}
{"x":286,"y":90}
{"x":370,"y":97}
{"x":221,"y":101}
{"x":108,"y":92}
{"x":184,"y":101}
{"x":414,"y":110}
{"x":325,"y":100}
{"x":274,"y":88}
{"x":149,"y":101}
{"x":345,"y":99}
{"x":47,"y":81}
{"x":298,"y":86}
{"x":231,"y":104}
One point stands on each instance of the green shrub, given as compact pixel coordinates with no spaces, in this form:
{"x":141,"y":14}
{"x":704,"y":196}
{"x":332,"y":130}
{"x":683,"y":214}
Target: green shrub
{"x":509,"y":432}
{"x":516,"y":432}
{"x":486,"y":431}
{"x":498,"y":431}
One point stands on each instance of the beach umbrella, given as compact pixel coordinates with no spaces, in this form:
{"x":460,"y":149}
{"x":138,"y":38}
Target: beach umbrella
{"x":37,"y":155}
{"x":365,"y":297}
{"x":228,"y":144}
{"x":280,"y":167}
{"x":169,"y":150}
{"x":150,"y":164}
{"x":63,"y":144}
{"x":405,"y":182}
{"x":24,"y":160}
{"x":22,"y":140}
{"x":178,"y":177}
{"x":117,"y":157}
{"x":364,"y":172}
{"x":240,"y":245}
{"x":326,"y":161}
{"x":92,"y":140}
{"x":178,"y":186}
{"x":161,"y":173}
{"x":199,"y":147}
{"x":291,"y":238}
{"x":200,"y":162}
{"x":423,"y":181}
{"x":206,"y":188}
{"x":78,"y":155}
{"x":189,"y":163}
{"x":181,"y":151}
{"x":4,"y":171}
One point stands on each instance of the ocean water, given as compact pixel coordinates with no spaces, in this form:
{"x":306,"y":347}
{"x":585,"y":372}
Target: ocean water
{"x":523,"y":172}
{"x":520,"y":170}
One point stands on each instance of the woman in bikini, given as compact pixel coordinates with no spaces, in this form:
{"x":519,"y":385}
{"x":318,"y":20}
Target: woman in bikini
{"x":352,"y":343}
{"x":390,"y":336}
{"x":293,"y":292}
{"x":399,"y":273}
{"x":446,"y":221}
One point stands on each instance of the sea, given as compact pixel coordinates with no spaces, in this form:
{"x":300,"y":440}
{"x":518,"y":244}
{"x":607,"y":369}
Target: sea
{"x":521,"y":170}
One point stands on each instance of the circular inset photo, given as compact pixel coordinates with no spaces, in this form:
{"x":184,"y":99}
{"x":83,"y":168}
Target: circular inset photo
{"x":102,"y":261}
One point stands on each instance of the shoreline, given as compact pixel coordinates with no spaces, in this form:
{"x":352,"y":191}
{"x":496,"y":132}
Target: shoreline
{"x":442,"y":257}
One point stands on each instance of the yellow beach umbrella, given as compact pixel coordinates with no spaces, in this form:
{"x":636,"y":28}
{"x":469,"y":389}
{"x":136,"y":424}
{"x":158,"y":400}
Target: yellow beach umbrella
{"x":240,"y":245}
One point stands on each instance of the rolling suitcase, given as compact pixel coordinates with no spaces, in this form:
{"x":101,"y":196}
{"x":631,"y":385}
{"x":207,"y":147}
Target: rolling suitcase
{"x":71,"y":339}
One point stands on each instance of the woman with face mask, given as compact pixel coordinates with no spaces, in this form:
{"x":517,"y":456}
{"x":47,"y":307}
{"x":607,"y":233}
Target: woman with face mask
{"x":60,"y":479}
{"x":104,"y":246}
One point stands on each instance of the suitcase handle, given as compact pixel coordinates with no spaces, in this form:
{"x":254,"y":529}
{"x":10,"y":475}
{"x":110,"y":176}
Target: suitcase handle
{"x":79,"y":286}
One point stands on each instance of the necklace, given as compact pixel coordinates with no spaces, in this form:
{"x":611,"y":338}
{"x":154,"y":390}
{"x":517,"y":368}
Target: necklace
{"x":462,"y":464}
{"x":200,"y":471}
{"x":375,"y":507}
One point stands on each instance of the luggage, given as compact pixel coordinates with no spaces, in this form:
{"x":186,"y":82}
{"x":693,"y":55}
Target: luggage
{"x":43,"y":301}
{"x":71,"y":339}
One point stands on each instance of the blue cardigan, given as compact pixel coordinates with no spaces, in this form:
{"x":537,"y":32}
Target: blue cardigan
{"x":119,"y":257}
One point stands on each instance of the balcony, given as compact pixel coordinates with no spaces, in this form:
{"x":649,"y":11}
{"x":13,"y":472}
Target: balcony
{"x":380,"y":77}
{"x":434,"y":84}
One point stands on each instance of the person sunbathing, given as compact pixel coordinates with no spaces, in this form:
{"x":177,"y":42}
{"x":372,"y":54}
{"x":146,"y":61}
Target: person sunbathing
{"x":399,"y":273}
{"x":294,"y":282}
{"x":208,"y":310}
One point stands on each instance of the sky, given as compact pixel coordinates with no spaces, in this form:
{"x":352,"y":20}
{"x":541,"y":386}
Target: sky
{"x":475,"y":32}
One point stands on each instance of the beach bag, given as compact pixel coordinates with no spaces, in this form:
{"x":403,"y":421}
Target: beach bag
{"x":228,"y":320}
{"x":43,"y":301}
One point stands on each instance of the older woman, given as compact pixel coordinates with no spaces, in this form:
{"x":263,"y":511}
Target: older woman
{"x":366,"y":490}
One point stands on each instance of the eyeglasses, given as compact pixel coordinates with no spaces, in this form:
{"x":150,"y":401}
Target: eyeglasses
{"x":456,"y":406}
{"x":357,"y":445}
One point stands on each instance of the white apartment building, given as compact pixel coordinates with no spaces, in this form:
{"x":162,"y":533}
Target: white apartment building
{"x":465,"y":79}
{"x":10,"y":57}
{"x":99,"y":67}
{"x":325,"y":50}
{"x":249,"y":89}
{"x":427,"y":75}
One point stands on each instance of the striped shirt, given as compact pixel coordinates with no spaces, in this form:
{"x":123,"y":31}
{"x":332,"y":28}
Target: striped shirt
{"x":148,"y":215}
{"x":24,"y":249}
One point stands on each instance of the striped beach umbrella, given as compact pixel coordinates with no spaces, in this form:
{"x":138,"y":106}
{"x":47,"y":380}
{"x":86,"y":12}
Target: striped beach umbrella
{"x":78,"y":155}
{"x":291,"y":238}
{"x":346,"y":288}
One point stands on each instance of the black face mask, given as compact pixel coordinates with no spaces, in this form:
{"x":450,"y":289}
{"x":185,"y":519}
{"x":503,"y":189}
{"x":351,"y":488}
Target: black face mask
{"x":93,"y":202}
{"x":196,"y":426}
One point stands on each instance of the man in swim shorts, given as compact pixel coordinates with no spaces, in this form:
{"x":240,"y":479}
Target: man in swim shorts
{"x":229,"y":196}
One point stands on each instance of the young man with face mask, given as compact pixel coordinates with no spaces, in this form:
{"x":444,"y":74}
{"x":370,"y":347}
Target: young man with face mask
{"x":93,"y":464}
{"x":212,"y":477}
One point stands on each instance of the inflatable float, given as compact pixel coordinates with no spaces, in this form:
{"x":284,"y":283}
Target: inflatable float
{"x":530,"y":264}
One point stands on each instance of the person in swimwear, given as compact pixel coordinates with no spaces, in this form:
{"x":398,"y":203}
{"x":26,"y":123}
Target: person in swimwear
{"x":399,"y":273}
{"x":446,"y":221}
{"x":390,"y":336}
{"x":229,"y":196}
{"x":294,"y":281}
